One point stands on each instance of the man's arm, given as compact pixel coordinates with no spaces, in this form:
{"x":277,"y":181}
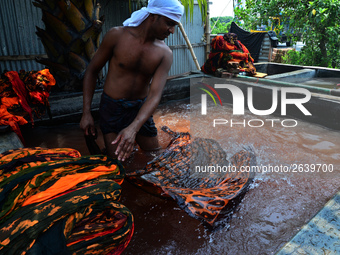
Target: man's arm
{"x":127,"y":136}
{"x":103,"y":54}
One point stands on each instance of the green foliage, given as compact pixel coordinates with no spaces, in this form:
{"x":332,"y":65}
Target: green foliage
{"x":223,"y":19}
{"x":189,"y":8}
{"x":220,"y":25}
{"x":317,"y":21}
{"x":296,"y":58}
{"x":305,"y":57}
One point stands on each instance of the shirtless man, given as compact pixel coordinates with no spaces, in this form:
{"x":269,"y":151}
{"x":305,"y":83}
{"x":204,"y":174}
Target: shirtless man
{"x":137,"y":55}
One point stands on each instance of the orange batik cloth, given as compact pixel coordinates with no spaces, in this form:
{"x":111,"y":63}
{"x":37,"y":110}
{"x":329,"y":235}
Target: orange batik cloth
{"x":23,"y":94}
{"x":210,"y":198}
{"x":8,"y":119}
{"x":227,"y":49}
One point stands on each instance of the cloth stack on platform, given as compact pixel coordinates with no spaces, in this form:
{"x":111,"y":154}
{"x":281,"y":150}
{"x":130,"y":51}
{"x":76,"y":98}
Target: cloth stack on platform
{"x":226,"y":52}
{"x":53,"y":201}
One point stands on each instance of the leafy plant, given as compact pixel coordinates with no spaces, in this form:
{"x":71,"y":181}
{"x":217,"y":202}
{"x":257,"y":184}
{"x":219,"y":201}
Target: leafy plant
{"x":318,"y":22}
{"x":220,"y":25}
{"x":189,"y":7}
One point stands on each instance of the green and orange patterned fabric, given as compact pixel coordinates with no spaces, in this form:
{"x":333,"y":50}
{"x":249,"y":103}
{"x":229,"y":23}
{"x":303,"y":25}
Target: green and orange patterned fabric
{"x":55,"y":201}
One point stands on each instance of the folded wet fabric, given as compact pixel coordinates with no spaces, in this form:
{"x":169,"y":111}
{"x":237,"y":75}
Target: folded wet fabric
{"x":8,"y":119}
{"x":20,"y":90}
{"x":225,"y":50}
{"x":53,"y":201}
{"x":23,"y":94}
{"x":207,"y":196}
{"x":172,"y":9}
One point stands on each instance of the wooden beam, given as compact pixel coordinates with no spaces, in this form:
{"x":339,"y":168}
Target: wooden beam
{"x":22,"y":57}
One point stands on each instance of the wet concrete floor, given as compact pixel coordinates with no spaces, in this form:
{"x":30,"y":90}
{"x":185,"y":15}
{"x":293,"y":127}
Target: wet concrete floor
{"x":271,"y":213}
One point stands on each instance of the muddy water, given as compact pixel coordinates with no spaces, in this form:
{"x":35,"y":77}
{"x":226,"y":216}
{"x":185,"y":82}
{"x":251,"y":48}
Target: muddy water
{"x":329,"y":83}
{"x":273,"y":210}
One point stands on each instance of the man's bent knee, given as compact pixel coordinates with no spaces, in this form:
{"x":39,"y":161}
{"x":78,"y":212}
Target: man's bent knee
{"x":147,"y":143}
{"x":110,"y":148}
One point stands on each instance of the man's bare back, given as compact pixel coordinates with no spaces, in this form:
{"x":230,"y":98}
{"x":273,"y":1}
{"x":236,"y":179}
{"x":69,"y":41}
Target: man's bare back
{"x":139,"y":62}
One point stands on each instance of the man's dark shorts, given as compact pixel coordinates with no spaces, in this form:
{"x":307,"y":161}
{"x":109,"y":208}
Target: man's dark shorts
{"x":116,"y":115}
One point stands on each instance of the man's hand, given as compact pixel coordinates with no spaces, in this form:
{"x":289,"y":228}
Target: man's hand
{"x":87,"y":124}
{"x":126,"y":141}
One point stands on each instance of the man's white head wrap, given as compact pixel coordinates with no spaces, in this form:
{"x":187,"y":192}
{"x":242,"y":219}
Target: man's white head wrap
{"x":172,"y":9}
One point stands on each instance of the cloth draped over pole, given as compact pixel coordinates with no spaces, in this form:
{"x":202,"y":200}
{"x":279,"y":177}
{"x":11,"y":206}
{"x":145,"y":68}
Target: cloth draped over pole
{"x":252,"y":41}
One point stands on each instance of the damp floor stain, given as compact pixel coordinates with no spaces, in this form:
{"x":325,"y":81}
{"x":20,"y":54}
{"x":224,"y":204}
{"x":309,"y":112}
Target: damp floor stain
{"x":272,"y":211}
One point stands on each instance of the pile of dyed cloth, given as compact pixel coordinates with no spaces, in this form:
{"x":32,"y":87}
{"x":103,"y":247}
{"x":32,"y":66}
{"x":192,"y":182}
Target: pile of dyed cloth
{"x":226,"y":50}
{"x":207,"y":196}
{"x":53,"y":201}
{"x":21,"y":95}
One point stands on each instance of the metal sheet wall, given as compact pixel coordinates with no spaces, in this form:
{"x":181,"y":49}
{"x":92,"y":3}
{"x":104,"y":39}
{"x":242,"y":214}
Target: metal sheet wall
{"x":18,"y":19}
{"x":17,"y":34}
{"x":183,"y":60}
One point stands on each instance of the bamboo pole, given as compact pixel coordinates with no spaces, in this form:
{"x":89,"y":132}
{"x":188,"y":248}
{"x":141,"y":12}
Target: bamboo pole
{"x":207,"y":33}
{"x":189,"y":45}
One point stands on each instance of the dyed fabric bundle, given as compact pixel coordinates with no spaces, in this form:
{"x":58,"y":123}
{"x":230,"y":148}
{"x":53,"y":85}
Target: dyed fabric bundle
{"x":8,"y":119}
{"x":23,"y":94}
{"x":207,"y":196}
{"x":226,"y":50}
{"x":55,"y":202}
